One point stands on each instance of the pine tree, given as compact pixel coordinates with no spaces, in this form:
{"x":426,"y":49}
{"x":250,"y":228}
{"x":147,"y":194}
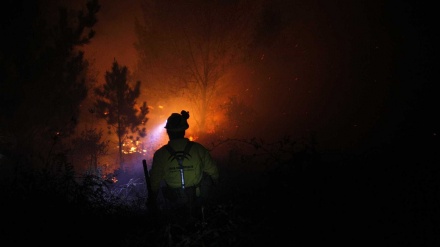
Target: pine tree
{"x":44,"y":76}
{"x":116,"y":104}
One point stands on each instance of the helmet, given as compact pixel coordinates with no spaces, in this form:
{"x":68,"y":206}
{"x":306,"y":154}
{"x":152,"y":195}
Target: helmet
{"x":177,"y":122}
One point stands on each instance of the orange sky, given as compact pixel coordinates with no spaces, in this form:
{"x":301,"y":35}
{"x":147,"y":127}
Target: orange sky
{"x":114,"y":36}
{"x":328,"y":67}
{"x":292,"y":76}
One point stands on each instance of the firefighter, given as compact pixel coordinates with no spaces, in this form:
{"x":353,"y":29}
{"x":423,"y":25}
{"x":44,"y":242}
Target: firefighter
{"x":183,"y":170}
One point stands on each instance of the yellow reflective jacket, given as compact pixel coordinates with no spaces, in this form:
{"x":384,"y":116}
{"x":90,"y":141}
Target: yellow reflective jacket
{"x":166,"y":169}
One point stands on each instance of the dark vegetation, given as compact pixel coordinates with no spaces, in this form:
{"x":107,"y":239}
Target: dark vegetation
{"x":306,"y":199}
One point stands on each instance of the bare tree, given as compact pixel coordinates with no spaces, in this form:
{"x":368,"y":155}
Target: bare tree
{"x":188,"y":47}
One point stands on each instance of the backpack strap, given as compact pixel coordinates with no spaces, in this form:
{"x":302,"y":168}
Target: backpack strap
{"x":179,"y":155}
{"x":187,"y":148}
{"x":171,"y":151}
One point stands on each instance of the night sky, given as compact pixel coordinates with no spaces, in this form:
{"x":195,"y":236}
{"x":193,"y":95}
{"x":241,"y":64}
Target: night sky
{"x":356,"y":74}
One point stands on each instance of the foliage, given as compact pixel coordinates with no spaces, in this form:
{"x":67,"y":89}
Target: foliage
{"x":118,"y":209}
{"x":116,"y":104}
{"x":327,"y":201}
{"x":87,"y":148}
{"x":44,"y":74}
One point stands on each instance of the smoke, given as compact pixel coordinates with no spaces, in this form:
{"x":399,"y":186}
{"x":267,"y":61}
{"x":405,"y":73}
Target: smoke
{"x":318,"y":67}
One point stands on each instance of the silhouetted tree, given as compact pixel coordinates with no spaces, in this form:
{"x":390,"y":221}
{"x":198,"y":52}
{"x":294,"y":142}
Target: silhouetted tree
{"x":188,"y":47}
{"x":87,"y":148}
{"x":44,"y":74}
{"x":116,"y":104}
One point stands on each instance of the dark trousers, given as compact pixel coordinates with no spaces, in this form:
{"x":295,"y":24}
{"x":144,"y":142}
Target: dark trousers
{"x":182,"y":205}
